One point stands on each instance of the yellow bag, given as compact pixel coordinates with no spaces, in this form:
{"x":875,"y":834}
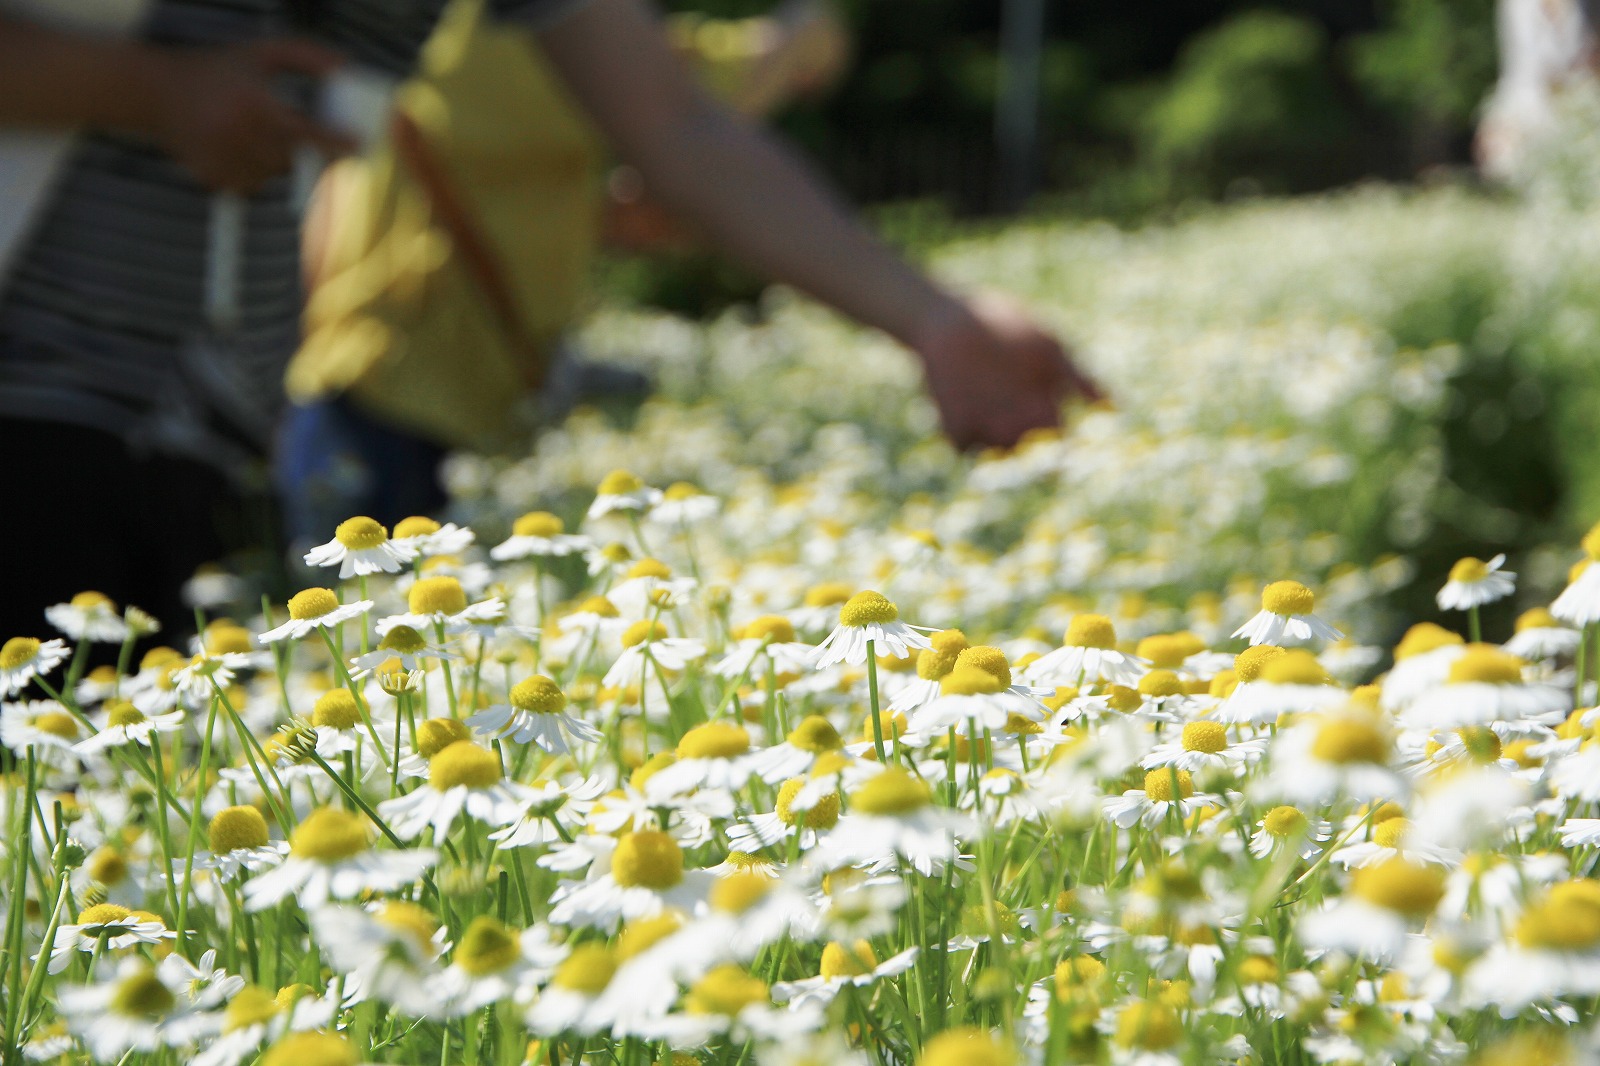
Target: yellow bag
{"x":463,"y":246}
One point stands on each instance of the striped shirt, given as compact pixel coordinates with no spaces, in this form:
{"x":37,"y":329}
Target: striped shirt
{"x":103,"y":320}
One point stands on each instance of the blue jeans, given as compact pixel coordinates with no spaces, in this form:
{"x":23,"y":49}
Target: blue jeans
{"x":335,"y":462}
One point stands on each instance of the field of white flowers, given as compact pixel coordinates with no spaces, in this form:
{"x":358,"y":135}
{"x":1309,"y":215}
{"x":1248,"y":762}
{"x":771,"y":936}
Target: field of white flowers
{"x":764,"y":729}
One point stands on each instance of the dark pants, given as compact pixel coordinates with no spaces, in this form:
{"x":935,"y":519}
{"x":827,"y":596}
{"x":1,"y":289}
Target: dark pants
{"x":335,"y":462}
{"x":80,"y":511}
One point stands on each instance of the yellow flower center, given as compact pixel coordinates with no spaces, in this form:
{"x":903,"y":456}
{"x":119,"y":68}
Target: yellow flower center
{"x":967,"y":1045}
{"x":1567,"y":919}
{"x":852,"y":961}
{"x":827,"y":594}
{"x":824,"y":814}
{"x":1295,"y":667}
{"x":464,"y":765}
{"x":640,"y":632}
{"x":772,"y":629}
{"x":90,"y":601}
{"x":107,"y":866}
{"x":1404,"y":887}
{"x":102,"y":914}
{"x":18,"y":651}
{"x":726,"y":990}
{"x":991,"y":660}
{"x":251,"y":1005}
{"x":588,"y":969}
{"x":1390,"y":833}
{"x":360,"y":533}
{"x":329,"y":834}
{"x":1481,"y":743}
{"x":538,"y":695}
{"x":1090,"y":631}
{"x":538,"y":524}
{"x":1160,"y":683}
{"x":599,"y":605}
{"x":643,"y":934}
{"x":225,"y":637}
{"x":415,"y":526}
{"x":121,"y":712}
{"x":1287,"y":598}
{"x":1148,"y":1025}
{"x":233,"y":828}
{"x":1424,"y":637}
{"x":1285,"y":822}
{"x":865,"y":608}
{"x":488,"y":946}
{"x":312,"y":603}
{"x":1166,"y":651}
{"x":402,"y":640}
{"x":57,"y":724}
{"x":815,"y":734}
{"x":1158,"y":784}
{"x":1469,"y":571}
{"x":647,"y":859}
{"x":1528,"y":1049}
{"x":650,"y":568}
{"x":311,"y":1049}
{"x":714,"y":740}
{"x":1485,"y":664}
{"x":738,"y":892}
{"x":619,"y":483}
{"x":969,"y":681}
{"x":1209,"y":737}
{"x":892,"y":792}
{"x":1249,"y":664}
{"x":142,"y":995}
{"x":336,"y":709}
{"x":1123,"y":700}
{"x":410,"y":921}
{"x":437,"y":595}
{"x":1350,"y":740}
{"x":1258,"y":970}
{"x":1591,"y":542}
{"x":437,"y":734}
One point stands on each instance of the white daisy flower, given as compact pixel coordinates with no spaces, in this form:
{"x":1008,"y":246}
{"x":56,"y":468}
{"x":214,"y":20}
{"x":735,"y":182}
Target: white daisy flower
{"x":440,"y":603}
{"x":461,"y":777}
{"x":494,"y":962}
{"x":361,"y":545}
{"x":767,"y":643}
{"x":240,"y":844}
{"x":854,"y":965}
{"x":42,"y":726}
{"x":893,"y":822}
{"x":647,"y":642}
{"x":806,"y":743}
{"x":714,"y":755}
{"x":1474,"y":583}
{"x":254,"y":1016}
{"x":570,"y":1003}
{"x":729,"y":1000}
{"x":978,"y":694}
{"x":24,"y":658}
{"x":123,"y":723}
{"x":867,"y":618}
{"x":423,"y":537}
{"x":1553,"y":951}
{"x":204,"y":984}
{"x":407,"y":646}
{"x":313,"y":609}
{"x":134,"y":1010}
{"x":1485,"y":685}
{"x":90,"y":616}
{"x":1384,"y":901}
{"x":683,"y":504}
{"x":1393,"y":838}
{"x":1164,"y":790}
{"x":552,"y":812}
{"x":104,"y":926}
{"x":1331,"y":757}
{"x":792,"y":814}
{"x":621,"y":493}
{"x":1205,"y":745}
{"x":1288,"y":827}
{"x":1088,"y":655}
{"x":1539,"y":636}
{"x":331,"y":857}
{"x":535,"y":713}
{"x":645,"y":878}
{"x":1579,"y":602}
{"x":539,"y":535}
{"x":1286,"y":617}
{"x":388,"y":952}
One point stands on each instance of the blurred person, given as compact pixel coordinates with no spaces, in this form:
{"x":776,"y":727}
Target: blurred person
{"x":1547,"y":49}
{"x":128,"y":404}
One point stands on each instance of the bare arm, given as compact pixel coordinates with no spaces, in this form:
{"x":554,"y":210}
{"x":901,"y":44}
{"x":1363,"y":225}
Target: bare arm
{"x":992,"y":372}
{"x":214,"y":109}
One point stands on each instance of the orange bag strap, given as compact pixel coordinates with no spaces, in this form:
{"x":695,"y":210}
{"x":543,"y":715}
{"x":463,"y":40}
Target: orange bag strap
{"x":412,"y":149}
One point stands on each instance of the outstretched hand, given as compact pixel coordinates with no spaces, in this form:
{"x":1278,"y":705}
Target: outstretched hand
{"x":995,"y":374}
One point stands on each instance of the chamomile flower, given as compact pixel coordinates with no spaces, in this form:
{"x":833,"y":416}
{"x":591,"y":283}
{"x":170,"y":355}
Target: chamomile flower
{"x":648,"y":585}
{"x":808,"y":818}
{"x":646,"y":643}
{"x":766,"y":643}
{"x":313,"y":609}
{"x":646,"y":876}
{"x":1332,"y":756}
{"x":810,"y":740}
{"x":1288,"y":827}
{"x":1540,"y":636}
{"x":493,"y":962}
{"x":1394,"y":838}
{"x":253,"y":1016}
{"x":1286,"y":617}
{"x":1284,"y":682}
{"x":134,"y":1010}
{"x":424,"y":537}
{"x":1553,"y":951}
{"x":620,"y":492}
{"x":331,"y":857}
{"x":1204,"y":745}
{"x":854,"y":964}
{"x":570,"y":1002}
{"x":105,"y":926}
{"x":439,"y":603}
{"x":1474,"y":583}
{"x":1483,"y":685}
{"x":1383,"y":902}
{"x":361,"y":546}
{"x":976,"y":694}
{"x":41,"y":726}
{"x":1088,"y":655}
{"x":90,"y":616}
{"x":684,"y":504}
{"x":539,"y":535}
{"x":715,"y":755}
{"x":1579,"y":602}
{"x":388,"y":951}
{"x":240,"y":844}
{"x":24,"y":658}
{"x":869,"y":619}
{"x":1164,"y":790}
{"x":893,"y":823}
{"x":404,"y":644}
{"x":551,"y":812}
{"x":535,"y":713}
{"x":461,"y":777}
{"x":123,"y":723}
